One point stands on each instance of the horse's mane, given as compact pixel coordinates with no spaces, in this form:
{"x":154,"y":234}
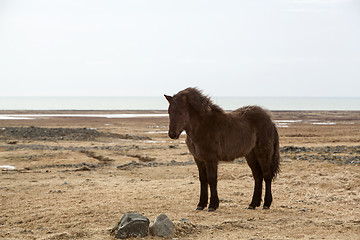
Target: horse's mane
{"x":200,"y":102}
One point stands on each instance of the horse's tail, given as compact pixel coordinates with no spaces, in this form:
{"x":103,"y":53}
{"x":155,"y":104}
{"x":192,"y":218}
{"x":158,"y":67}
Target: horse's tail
{"x":275,"y":164}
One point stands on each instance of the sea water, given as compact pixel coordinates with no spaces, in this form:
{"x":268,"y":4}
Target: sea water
{"x":160,"y":103}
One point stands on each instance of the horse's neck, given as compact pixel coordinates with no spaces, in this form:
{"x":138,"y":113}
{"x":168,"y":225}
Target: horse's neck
{"x":196,"y":122}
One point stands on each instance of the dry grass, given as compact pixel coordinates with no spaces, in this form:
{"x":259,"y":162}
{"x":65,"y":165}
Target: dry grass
{"x":73,"y":189}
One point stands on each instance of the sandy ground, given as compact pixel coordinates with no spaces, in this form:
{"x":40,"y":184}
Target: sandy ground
{"x":64,"y":188}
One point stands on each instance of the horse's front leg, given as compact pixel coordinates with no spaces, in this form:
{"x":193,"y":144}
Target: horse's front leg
{"x":203,"y":185}
{"x":211,"y":171}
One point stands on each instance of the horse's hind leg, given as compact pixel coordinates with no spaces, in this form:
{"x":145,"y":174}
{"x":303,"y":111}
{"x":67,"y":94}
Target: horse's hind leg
{"x":265,"y":163}
{"x":258,"y":177}
{"x":268,"y":195}
{"x":203,"y":185}
{"x":211,"y":171}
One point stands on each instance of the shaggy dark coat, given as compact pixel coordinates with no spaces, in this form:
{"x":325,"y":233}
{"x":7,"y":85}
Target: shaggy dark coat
{"x":214,"y":135}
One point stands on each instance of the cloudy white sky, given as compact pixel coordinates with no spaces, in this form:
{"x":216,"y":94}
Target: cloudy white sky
{"x":142,"y":47}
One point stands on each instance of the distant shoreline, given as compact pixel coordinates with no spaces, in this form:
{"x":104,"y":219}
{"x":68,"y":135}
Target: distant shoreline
{"x":83,"y":111}
{"x":7,"y":115}
{"x":160,"y":103}
{"x":21,"y":112}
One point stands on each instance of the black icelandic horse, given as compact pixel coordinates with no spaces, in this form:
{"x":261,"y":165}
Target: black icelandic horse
{"x":214,"y":135}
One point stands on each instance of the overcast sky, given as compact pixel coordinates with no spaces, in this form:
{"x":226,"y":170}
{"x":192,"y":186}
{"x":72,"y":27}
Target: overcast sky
{"x":148,"y":48}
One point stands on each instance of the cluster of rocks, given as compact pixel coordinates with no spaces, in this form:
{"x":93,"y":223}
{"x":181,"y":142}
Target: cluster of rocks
{"x":56,"y":134}
{"x":137,"y":225}
{"x":348,"y":160}
{"x":333,"y":154}
{"x":294,"y":149}
{"x":325,"y":149}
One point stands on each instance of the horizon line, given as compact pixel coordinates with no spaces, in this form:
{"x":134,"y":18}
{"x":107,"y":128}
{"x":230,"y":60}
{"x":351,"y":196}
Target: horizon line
{"x":211,"y":96}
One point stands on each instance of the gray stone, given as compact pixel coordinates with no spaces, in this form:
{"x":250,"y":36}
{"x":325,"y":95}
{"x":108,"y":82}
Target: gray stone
{"x":131,"y":225}
{"x":185,"y":220}
{"x":162,"y":226}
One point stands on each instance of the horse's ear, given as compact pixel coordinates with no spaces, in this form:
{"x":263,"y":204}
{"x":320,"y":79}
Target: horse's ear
{"x":169,"y":98}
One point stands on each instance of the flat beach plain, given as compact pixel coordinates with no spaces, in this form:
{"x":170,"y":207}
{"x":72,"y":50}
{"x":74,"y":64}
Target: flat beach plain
{"x":75,"y":177}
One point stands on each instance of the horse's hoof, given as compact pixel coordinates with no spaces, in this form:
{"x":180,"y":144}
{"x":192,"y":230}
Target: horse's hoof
{"x":211,"y":209}
{"x":266,"y":207}
{"x":250,"y":208}
{"x":199,"y":208}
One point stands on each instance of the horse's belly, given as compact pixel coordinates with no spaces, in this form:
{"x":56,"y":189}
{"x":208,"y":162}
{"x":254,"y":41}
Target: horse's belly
{"x":222,"y":150}
{"x":236,"y":149}
{"x":230,"y":156}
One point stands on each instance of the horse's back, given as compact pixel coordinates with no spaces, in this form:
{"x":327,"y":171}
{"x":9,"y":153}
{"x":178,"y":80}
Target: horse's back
{"x":255,"y":116}
{"x":259,"y":121}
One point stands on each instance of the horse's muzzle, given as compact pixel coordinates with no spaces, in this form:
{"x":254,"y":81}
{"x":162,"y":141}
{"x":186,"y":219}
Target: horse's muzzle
{"x":173,"y":135}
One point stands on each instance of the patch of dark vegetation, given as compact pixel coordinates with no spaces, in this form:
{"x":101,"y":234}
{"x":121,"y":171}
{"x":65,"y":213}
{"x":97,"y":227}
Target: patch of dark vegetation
{"x":142,"y":158}
{"x":68,"y":148}
{"x":301,"y":135}
{"x":78,"y":166}
{"x":134,"y":164}
{"x":56,"y":134}
{"x":98,"y":157}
